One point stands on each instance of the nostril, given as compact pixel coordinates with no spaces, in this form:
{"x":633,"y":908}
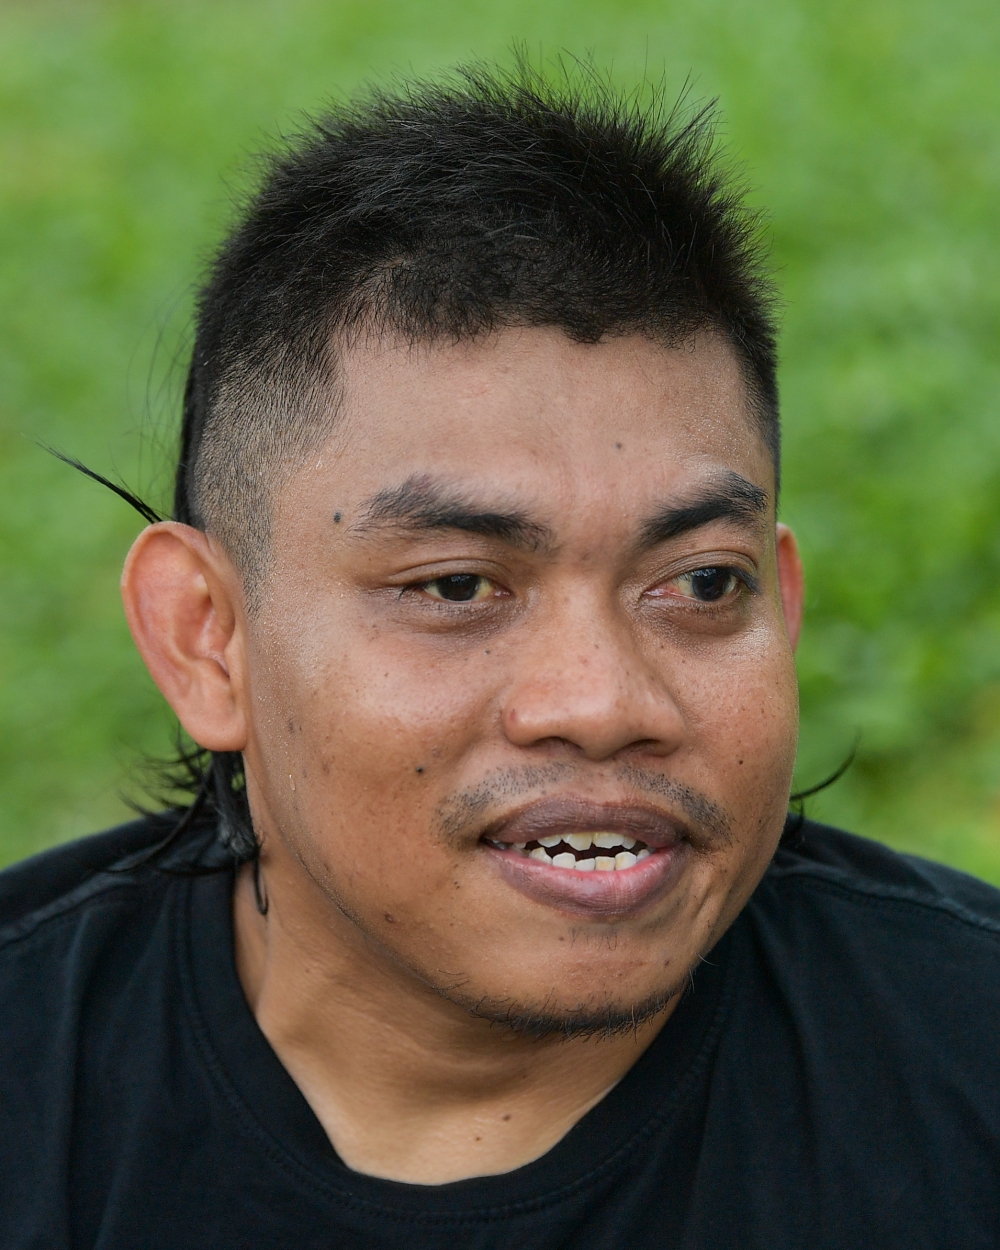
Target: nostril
{"x":554,"y":746}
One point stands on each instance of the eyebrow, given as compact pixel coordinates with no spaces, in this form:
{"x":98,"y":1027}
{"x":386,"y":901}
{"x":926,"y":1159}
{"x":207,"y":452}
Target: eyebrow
{"x":422,"y":504}
{"x":729,"y":497}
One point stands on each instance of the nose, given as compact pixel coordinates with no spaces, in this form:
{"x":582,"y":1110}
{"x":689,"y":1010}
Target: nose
{"x":586,"y":680}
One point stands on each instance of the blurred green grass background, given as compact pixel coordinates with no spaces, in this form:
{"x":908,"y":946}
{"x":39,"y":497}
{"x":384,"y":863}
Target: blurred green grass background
{"x":871,"y":132}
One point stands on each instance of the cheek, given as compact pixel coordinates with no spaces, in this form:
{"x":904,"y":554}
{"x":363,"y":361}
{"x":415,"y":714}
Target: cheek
{"x":368,"y":735}
{"x":389,"y":717}
{"x":743,"y":733}
{"x":742,"y":714}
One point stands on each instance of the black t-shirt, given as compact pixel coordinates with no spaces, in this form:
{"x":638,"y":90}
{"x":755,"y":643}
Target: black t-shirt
{"x":832,"y":1079}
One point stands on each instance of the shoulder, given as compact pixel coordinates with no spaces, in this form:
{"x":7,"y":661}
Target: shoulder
{"x":97,"y":872}
{"x":867,"y":938}
{"x":56,"y":878}
{"x":859,"y":1052}
{"x":89,"y":982}
{"x":84,"y":929}
{"x":827,"y":863}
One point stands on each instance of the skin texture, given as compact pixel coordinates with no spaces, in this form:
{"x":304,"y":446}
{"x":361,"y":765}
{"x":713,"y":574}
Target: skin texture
{"x":408,"y":973}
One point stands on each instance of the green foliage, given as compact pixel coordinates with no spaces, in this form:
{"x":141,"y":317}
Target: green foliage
{"x":870,"y":132}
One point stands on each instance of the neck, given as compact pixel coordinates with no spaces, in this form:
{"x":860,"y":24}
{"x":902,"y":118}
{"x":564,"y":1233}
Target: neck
{"x":407,"y":1085}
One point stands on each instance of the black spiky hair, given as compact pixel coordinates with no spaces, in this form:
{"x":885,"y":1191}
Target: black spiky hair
{"x":450,"y":211}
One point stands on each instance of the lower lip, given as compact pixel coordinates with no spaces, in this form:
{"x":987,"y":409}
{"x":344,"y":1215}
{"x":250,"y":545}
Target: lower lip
{"x":598,"y":894}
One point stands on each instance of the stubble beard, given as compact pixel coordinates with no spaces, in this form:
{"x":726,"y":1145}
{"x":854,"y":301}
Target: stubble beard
{"x":546,"y":1020}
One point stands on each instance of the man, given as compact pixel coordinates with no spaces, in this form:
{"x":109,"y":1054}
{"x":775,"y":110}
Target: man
{"x":485,"y":926}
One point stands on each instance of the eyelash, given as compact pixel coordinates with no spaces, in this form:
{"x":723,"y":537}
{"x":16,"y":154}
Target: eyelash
{"x":744,"y":582}
{"x":456,"y":578}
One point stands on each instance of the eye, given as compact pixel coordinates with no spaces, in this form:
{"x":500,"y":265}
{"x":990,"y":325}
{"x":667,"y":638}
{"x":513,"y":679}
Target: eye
{"x":709,"y":585}
{"x":460,"y":588}
{"x":703,"y":585}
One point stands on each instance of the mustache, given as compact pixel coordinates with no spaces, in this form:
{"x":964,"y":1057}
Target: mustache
{"x":467,"y":811}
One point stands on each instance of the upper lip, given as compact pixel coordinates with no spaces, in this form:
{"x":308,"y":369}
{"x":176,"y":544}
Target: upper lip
{"x":548,"y":817}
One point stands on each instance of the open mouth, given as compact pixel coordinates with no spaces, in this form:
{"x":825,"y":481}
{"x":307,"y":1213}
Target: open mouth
{"x":582,"y":852}
{"x":601,"y":860}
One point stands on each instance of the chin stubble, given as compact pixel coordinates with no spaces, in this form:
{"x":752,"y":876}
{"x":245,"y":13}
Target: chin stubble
{"x":546,"y":1021}
{"x":466,"y":811}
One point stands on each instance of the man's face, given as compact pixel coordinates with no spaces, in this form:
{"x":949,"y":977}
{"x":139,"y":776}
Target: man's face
{"x":522,"y":700}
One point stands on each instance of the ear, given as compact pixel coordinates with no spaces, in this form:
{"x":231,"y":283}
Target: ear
{"x":791,"y":581}
{"x":183,"y":602}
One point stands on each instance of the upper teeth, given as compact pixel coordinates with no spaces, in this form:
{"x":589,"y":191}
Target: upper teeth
{"x":584,"y":841}
{"x":614,"y":839}
{"x":619,"y":844}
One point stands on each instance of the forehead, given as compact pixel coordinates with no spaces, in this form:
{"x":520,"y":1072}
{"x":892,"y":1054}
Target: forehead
{"x":530,"y":411}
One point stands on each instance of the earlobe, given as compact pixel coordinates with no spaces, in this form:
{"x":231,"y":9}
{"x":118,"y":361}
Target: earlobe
{"x":182,"y":602}
{"x":791,"y":580}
